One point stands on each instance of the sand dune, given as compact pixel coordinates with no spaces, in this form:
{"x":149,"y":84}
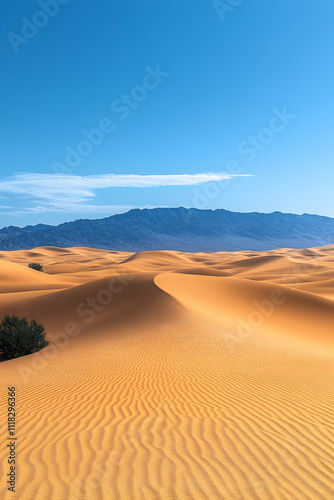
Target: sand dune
{"x":287,"y":314}
{"x":17,"y":278}
{"x":172,"y":375}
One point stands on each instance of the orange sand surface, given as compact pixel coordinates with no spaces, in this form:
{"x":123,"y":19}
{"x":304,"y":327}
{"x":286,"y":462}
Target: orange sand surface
{"x":172,"y":375}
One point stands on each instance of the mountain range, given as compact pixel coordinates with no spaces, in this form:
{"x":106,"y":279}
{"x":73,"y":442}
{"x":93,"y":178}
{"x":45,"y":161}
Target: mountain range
{"x":187,"y":230}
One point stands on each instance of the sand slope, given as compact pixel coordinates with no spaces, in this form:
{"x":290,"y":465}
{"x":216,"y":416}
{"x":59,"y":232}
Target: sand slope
{"x":172,"y":375}
{"x":293,"y":316}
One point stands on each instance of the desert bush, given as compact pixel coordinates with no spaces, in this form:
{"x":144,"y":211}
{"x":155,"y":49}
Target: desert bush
{"x":36,"y":266}
{"x":19,"y":337}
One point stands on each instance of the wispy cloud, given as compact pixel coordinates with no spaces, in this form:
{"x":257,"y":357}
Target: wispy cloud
{"x":74,"y":208}
{"x":70,"y":193}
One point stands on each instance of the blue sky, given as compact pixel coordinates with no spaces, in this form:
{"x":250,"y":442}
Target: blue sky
{"x":191,"y":102}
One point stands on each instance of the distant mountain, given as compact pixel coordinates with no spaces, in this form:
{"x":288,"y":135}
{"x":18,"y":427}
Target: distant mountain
{"x":189,"y":230}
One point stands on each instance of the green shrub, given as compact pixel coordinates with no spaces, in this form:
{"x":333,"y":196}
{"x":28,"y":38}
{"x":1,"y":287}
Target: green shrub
{"x":37,"y":267}
{"x":18,"y":337}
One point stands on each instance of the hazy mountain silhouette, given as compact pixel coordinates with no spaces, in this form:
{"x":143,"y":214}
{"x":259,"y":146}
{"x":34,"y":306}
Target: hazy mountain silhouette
{"x":189,"y":230}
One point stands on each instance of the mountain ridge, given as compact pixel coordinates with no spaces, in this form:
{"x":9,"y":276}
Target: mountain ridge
{"x":183,"y":229}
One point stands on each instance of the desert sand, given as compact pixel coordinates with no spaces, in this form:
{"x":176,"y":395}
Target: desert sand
{"x":172,"y":376}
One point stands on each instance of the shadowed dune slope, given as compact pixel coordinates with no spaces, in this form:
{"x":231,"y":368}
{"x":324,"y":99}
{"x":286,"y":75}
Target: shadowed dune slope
{"x":118,"y":302}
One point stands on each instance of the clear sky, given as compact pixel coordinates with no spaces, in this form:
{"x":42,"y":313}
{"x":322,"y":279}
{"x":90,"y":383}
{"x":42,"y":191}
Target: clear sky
{"x":225,"y":104}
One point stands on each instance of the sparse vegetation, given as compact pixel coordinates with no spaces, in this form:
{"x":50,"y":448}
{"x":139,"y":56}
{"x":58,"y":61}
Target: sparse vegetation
{"x":36,"y":266}
{"x":19,"y":337}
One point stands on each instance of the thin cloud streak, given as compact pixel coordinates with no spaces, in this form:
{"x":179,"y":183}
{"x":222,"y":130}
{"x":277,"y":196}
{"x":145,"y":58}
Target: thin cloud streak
{"x":75,"y":208}
{"x":25,"y":181}
{"x":69,"y":193}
